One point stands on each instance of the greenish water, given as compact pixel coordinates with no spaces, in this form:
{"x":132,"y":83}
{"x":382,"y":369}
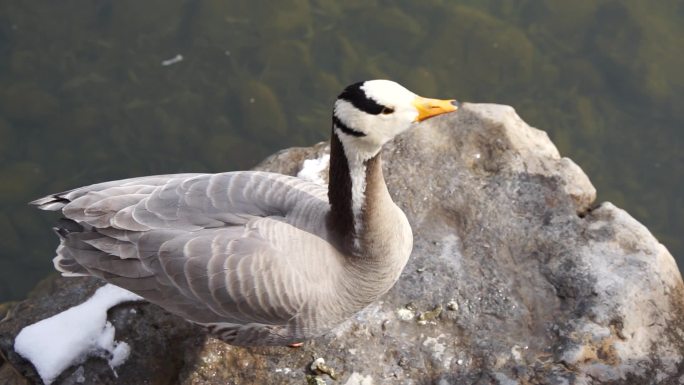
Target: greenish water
{"x":84,"y":96}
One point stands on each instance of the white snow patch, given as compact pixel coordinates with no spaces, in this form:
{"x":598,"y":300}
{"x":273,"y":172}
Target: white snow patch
{"x":313,"y":168}
{"x":359,"y":379}
{"x":73,"y":335}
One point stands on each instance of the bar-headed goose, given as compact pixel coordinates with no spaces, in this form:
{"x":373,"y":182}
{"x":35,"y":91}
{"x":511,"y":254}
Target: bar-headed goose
{"x":258,"y":258}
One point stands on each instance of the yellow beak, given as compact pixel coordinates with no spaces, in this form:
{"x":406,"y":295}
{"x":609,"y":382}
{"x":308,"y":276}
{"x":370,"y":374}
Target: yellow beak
{"x":428,"y":108}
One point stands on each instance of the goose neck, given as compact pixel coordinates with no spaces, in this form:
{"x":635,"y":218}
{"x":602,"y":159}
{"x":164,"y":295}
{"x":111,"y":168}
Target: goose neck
{"x":357,"y":193}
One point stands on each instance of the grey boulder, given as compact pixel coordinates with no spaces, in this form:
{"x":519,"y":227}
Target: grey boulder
{"x":516,"y":278}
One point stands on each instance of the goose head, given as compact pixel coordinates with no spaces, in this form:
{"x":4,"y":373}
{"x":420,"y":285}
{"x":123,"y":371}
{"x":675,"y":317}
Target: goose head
{"x":368,"y":114}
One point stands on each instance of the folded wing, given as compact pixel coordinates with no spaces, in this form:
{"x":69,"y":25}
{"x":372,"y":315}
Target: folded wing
{"x":232,"y":247}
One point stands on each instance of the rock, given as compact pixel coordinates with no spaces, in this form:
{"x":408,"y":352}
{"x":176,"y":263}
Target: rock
{"x":27,"y":103}
{"x":163,"y":340}
{"x":516,"y":278}
{"x":290,"y":161}
{"x":261,"y":110}
{"x":493,"y":52}
{"x":401,"y":32}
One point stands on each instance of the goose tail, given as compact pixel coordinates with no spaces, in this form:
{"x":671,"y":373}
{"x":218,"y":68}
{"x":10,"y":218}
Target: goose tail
{"x":52,"y":202}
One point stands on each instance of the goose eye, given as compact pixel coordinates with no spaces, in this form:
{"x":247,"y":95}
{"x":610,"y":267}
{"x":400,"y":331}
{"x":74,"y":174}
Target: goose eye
{"x":387,"y":110}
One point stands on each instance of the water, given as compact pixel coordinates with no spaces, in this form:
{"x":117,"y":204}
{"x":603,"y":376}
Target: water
{"x":93,"y":90}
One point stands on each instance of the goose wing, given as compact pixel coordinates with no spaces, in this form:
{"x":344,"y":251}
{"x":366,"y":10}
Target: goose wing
{"x":238,"y":247}
{"x":188,"y":201}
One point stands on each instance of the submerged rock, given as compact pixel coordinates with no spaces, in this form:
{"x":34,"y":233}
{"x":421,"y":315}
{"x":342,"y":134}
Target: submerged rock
{"x":519,"y":276}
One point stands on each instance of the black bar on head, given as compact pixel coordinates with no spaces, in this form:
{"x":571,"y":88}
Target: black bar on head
{"x":346,"y":129}
{"x":358,"y":98}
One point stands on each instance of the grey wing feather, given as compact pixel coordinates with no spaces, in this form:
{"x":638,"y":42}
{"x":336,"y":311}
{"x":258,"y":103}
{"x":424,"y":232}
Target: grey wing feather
{"x":187,"y":202}
{"x":210,"y":247}
{"x":53,"y":201}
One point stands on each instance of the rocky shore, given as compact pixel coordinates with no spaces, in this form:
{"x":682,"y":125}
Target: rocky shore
{"x":517,"y":277}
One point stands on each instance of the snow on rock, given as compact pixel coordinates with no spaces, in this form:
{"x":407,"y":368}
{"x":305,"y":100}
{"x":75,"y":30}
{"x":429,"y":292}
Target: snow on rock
{"x":68,"y":338}
{"x":312,"y":169}
{"x":571,"y":299}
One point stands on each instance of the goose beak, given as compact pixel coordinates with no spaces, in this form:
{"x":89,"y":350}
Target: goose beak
{"x":428,"y":108}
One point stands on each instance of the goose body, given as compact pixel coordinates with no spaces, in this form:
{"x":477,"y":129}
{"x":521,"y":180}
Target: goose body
{"x":258,"y":258}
